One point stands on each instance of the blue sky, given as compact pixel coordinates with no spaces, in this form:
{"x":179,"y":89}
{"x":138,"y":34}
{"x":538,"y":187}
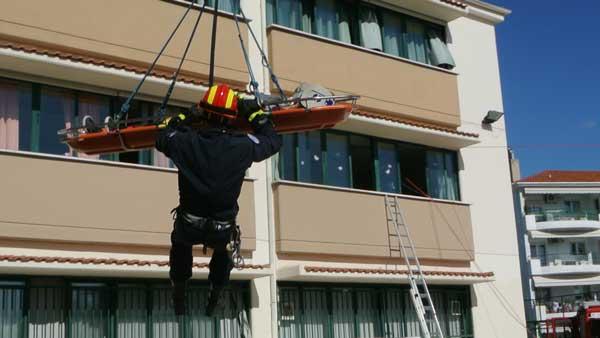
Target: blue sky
{"x":550,"y":66}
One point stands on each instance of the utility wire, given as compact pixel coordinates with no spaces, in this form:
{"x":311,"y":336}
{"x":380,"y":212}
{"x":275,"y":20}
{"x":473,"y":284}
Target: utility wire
{"x":497,"y":293}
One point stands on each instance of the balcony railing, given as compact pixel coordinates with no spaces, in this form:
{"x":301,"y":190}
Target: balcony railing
{"x":567,"y":259}
{"x":559,"y":215}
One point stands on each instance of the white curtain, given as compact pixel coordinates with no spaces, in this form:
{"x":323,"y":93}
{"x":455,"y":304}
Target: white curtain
{"x":315,"y":314}
{"x":342,"y":314}
{"x":11,"y":312}
{"x":441,"y":175}
{"x":46,"y":312}
{"x":392,"y":34}
{"x":131,"y":312}
{"x":289,"y":13}
{"x":344,"y":19}
{"x":440,"y":54}
{"x":415,"y":41}
{"x":9,"y":117}
{"x":370,"y":32}
{"x":326,"y":18}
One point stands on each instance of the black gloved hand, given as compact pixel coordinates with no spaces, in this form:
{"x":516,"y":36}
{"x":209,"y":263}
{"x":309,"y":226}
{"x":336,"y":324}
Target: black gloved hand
{"x":246,"y":106}
{"x":172,"y":121}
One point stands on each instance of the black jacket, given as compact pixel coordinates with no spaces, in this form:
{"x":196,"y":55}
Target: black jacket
{"x":212,"y":165}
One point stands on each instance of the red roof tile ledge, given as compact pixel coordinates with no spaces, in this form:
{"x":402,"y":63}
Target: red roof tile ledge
{"x":563,"y":176}
{"x":324,"y":269}
{"x":106,"y":261}
{"x":412,"y":123}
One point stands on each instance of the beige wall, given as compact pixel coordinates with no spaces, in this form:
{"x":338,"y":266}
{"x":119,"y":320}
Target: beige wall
{"x":73,"y":201}
{"x":132,"y":31}
{"x":385,"y":84}
{"x":321,"y":220}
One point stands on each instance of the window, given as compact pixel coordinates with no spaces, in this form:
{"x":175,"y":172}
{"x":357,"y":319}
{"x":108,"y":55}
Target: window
{"x":45,"y":308}
{"x":345,"y":312}
{"x":366,"y":25}
{"x":578,"y":248}
{"x":15,"y":106}
{"x":412,"y":159}
{"x":31,"y":114}
{"x":350,"y":160}
{"x":573,"y":206}
{"x":11,"y":309}
{"x":224,"y":5}
{"x":388,"y":170}
{"x":310,"y":161}
{"x":338,"y":167}
{"x":442,"y":177}
{"x":361,"y":155}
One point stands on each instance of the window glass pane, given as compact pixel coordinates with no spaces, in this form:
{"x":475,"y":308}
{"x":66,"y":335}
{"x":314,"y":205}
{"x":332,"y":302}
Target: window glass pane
{"x":289,"y":313}
{"x":95,"y":106}
{"x":388,"y":168}
{"x":310,"y":162}
{"x":326,"y":24}
{"x":138,"y":109}
{"x":56,"y":113}
{"x":337,"y":160}
{"x":392,"y":33}
{"x":224,"y":5}
{"x":287,"y":158}
{"x":88,"y":312}
{"x":289,"y":13}
{"x":164,"y":322}
{"x":393,"y":313}
{"x":345,"y":23}
{"x":442,"y":180}
{"x":342,"y":313}
{"x":270,"y":10}
{"x":132,"y":311}
{"x":315,"y":313}
{"x":415,"y":41}
{"x":370,"y":32}
{"x":15,"y":115}
{"x":47,"y":312}
{"x":451,"y":167}
{"x":367,"y":314}
{"x":412,"y":170}
{"x":11,"y":310}
{"x":362,"y":162}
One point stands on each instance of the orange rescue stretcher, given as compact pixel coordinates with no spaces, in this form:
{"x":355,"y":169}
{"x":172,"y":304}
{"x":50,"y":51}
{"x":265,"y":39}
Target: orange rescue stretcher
{"x":136,"y":137}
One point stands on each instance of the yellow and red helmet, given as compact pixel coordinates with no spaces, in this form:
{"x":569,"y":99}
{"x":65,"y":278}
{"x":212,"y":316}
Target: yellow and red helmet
{"x":220,"y":99}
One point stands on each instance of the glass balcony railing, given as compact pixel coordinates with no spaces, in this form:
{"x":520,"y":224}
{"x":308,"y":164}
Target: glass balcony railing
{"x":566,"y":259}
{"x":583,"y":215}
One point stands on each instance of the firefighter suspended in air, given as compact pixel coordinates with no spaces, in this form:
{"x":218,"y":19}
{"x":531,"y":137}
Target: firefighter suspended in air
{"x":212,"y":163}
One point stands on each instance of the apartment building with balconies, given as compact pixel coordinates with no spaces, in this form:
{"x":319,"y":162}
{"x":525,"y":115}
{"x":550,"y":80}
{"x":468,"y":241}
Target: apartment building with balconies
{"x":559,"y":225}
{"x":84,"y":240}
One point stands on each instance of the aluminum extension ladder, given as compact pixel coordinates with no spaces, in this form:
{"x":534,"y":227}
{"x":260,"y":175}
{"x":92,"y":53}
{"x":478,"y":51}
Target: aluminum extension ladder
{"x":419,"y":292}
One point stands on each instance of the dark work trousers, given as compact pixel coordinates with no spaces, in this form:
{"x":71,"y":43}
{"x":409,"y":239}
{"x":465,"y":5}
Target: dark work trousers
{"x":184,"y":236}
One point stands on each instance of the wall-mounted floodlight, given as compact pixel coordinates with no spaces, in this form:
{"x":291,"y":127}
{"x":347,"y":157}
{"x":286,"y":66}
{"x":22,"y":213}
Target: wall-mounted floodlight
{"x":492,"y":116}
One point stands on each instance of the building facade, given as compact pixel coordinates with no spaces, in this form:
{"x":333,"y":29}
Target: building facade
{"x":558,"y":221}
{"x":84,"y":240}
